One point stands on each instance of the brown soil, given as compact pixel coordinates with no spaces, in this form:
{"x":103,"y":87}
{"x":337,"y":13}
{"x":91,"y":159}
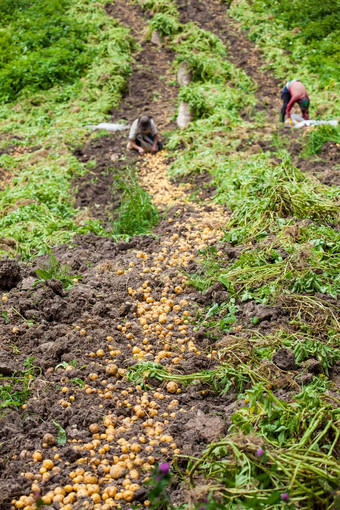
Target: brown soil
{"x":95,"y":190}
{"x":325,"y":166}
{"x":18,"y":150}
{"x":148,"y":90}
{"x":5,"y":179}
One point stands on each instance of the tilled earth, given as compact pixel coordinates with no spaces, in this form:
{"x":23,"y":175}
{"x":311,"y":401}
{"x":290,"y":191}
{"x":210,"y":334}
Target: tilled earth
{"x":88,"y":437}
{"x":132,"y":302}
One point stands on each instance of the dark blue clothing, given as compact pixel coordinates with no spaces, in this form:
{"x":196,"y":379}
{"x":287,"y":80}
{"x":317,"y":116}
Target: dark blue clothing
{"x":151,"y":138}
{"x":286,"y":97}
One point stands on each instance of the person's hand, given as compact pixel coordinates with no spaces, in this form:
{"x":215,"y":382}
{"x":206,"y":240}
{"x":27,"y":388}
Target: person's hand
{"x":141,"y":151}
{"x":153,"y":149}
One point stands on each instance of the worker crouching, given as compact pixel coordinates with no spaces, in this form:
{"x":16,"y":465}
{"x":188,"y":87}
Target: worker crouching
{"x":143,"y":136}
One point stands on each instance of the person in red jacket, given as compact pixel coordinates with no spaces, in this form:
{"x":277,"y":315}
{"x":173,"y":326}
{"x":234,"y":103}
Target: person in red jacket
{"x":294,"y":92}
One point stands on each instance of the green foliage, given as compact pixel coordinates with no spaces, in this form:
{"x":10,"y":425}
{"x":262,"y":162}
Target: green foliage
{"x":137,"y":214}
{"x":216,"y":318}
{"x":318,"y":136}
{"x":286,"y":424}
{"x":15,"y":390}
{"x":210,"y":99}
{"x":302,"y":271}
{"x":165,"y":24}
{"x":65,"y":364}
{"x":205,"y":54}
{"x":208,"y":140}
{"x":47,"y":43}
{"x":294,"y":42}
{"x":262,"y":272}
{"x":202,"y":41}
{"x":259,"y":187}
{"x":290,"y":454}
{"x":316,"y":21}
{"x":219,"y":379}
{"x":41,"y":44}
{"x":261,"y":195}
{"x":158,"y":495}
{"x":323,"y":345}
{"x":61,"y":438}
{"x":318,"y":30}
{"x":37,"y":210}
{"x":197,"y":100}
{"x":214,"y":105}
{"x":78,"y":382}
{"x":311,"y":348}
{"x":53,"y":269}
{"x":156,"y":6}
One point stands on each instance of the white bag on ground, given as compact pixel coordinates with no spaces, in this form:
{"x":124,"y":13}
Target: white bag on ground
{"x":299,"y":122}
{"x":109,"y":127}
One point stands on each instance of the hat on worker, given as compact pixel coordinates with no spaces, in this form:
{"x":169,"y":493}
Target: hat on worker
{"x":144,"y":122}
{"x":304,"y":103}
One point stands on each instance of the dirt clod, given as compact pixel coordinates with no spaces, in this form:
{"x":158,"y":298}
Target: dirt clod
{"x":9,"y":273}
{"x":206,"y":428}
{"x":284,"y":359}
{"x":313,"y":366}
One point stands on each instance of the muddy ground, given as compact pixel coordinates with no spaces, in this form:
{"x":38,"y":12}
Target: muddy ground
{"x":126,"y":301}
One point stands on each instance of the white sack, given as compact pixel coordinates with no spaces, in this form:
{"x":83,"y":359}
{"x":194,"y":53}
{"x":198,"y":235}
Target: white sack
{"x":299,"y":122}
{"x":110,"y":127}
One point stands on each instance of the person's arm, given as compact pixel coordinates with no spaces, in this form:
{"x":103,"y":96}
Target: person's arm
{"x":290,"y":106}
{"x":133,"y":145}
{"x":132,"y":138}
{"x":154,"y":146}
{"x":154,"y":132}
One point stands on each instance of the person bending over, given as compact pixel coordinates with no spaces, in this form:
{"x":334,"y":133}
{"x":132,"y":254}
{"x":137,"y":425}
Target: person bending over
{"x":143,"y":136}
{"x":294,"y":92}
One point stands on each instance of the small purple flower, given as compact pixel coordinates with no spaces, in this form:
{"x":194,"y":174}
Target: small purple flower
{"x":162,"y":471}
{"x":36,"y":495}
{"x":259,"y":452}
{"x":164,"y":468}
{"x":285,"y":496}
